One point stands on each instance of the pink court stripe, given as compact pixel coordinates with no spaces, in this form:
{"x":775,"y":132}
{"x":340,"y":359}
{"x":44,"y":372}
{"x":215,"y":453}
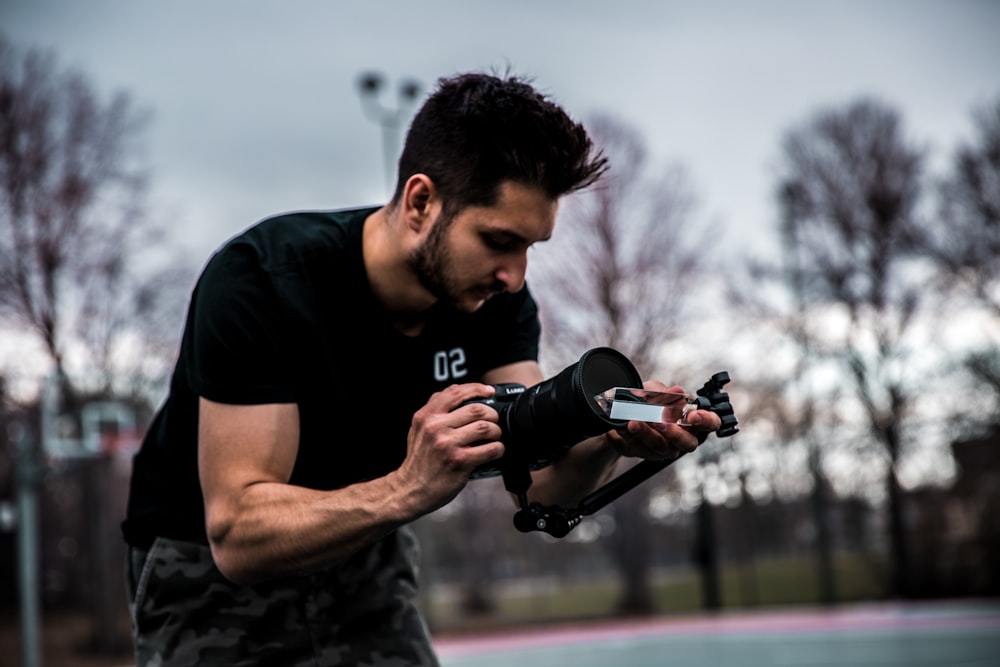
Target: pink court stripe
{"x":876,"y":618}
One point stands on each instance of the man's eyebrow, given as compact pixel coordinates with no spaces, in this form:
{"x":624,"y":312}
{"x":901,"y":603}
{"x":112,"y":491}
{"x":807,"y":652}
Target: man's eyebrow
{"x":512,"y":235}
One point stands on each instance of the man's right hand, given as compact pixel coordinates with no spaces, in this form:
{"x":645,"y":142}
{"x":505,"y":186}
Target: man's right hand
{"x":447,"y":441}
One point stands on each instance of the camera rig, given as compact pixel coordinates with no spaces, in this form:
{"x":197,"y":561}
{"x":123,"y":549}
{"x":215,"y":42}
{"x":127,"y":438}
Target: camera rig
{"x":559,"y":521}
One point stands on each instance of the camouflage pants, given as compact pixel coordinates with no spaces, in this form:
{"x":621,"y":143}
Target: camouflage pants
{"x":362,"y":612}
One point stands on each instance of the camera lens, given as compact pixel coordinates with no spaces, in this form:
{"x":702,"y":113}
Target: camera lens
{"x":549,"y":418}
{"x":599,"y":370}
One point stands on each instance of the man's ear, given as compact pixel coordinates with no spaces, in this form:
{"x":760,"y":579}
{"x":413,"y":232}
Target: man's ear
{"x":420,"y":200}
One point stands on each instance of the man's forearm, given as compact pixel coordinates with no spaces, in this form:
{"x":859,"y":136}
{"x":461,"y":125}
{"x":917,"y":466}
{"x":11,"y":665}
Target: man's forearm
{"x":584,"y":468}
{"x":281,"y":529}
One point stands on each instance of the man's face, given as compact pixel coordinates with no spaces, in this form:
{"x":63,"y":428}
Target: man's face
{"x":483,"y":251}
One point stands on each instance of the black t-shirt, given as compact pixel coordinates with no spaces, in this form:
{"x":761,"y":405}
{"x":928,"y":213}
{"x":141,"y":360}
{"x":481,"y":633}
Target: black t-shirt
{"x":283,"y":313}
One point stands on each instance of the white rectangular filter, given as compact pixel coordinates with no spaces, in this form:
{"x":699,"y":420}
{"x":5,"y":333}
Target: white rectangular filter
{"x":643,"y":404}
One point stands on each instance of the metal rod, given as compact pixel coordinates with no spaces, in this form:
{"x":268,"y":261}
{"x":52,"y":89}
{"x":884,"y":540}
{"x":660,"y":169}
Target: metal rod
{"x":27,"y":533}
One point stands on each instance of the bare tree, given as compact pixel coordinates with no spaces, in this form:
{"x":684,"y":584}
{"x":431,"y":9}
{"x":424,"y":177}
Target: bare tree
{"x":966,"y":248}
{"x":849,"y":194}
{"x":72,"y":221}
{"x":621,"y":271}
{"x":967,"y":243}
{"x":78,"y":273}
{"x":621,"y":266}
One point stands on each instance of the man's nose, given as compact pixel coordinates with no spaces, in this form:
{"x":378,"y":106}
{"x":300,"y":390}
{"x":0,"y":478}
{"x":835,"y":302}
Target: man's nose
{"x":512,"y":272}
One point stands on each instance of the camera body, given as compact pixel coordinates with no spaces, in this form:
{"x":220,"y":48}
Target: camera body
{"x":504,"y":401}
{"x":539,"y":423}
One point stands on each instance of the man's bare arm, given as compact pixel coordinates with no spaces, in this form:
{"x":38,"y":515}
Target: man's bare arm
{"x":259,"y":525}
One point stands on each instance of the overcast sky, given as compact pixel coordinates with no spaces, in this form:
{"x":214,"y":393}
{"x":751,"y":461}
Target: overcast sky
{"x":256,"y":111}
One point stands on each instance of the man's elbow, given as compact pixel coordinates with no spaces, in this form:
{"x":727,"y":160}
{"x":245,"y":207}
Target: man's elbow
{"x":224,"y":553}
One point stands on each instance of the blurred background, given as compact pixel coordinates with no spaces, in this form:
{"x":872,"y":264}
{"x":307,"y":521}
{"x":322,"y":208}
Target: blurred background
{"x":806,"y":195}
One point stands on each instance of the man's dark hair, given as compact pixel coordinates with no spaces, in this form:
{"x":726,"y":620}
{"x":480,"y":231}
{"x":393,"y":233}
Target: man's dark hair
{"x":477,"y":130}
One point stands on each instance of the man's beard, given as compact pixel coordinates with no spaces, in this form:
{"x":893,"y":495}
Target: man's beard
{"x":431,"y":261}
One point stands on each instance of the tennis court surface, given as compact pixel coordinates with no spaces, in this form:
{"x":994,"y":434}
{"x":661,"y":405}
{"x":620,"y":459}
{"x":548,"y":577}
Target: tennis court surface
{"x":955,"y":634}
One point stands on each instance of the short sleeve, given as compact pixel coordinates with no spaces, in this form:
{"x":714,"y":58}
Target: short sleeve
{"x":238,"y":350}
{"x":520,"y":330}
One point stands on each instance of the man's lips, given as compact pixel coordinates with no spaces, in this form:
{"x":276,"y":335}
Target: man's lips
{"x":486,"y":293}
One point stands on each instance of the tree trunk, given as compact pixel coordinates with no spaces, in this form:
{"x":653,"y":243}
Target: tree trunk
{"x":707,"y":557}
{"x":632,"y":552}
{"x":824,"y":543}
{"x":897,"y":525}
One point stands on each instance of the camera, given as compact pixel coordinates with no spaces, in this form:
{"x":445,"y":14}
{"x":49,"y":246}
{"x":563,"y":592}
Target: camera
{"x":598,"y":393}
{"x":540,"y":423}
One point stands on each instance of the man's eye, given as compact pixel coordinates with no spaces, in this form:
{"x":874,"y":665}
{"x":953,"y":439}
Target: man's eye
{"x":500,"y":243}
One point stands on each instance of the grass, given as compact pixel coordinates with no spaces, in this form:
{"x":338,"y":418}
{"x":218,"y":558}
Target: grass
{"x":764,"y":583}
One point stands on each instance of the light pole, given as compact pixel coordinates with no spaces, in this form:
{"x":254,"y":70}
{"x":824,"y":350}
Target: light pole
{"x":29,"y":475}
{"x":371,"y":86}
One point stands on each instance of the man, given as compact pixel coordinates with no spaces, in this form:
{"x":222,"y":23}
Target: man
{"x":320,"y":399}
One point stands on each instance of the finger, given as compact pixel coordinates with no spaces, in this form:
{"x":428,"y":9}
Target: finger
{"x":473,"y":412}
{"x":656,"y":385}
{"x":477,"y":443}
{"x":455,"y":395}
{"x":703,"y":420}
{"x":478,"y":432}
{"x":648,"y":441}
{"x":479,"y":454}
{"x":670,"y":436}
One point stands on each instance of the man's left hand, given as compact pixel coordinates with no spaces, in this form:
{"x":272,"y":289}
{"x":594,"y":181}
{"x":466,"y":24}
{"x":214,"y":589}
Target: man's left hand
{"x":664,"y":441}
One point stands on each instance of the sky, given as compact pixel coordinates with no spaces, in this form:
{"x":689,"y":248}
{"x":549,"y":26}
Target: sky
{"x":255,"y":107}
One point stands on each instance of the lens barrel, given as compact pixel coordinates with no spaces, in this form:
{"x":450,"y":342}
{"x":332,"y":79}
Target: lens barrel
{"x":545,"y":420}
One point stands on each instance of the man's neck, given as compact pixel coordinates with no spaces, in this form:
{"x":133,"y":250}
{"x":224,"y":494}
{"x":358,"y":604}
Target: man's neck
{"x":405,"y":301}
